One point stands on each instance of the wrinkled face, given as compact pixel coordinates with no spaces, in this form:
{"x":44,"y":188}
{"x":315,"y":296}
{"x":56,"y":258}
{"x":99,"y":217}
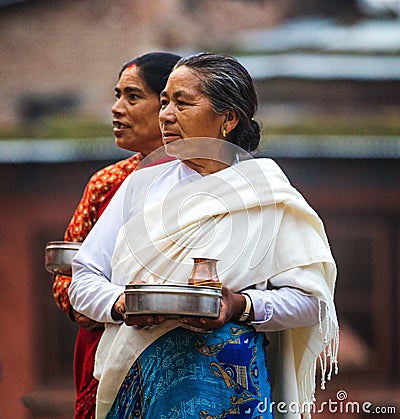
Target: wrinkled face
{"x":186,"y":111}
{"x":135,"y":114}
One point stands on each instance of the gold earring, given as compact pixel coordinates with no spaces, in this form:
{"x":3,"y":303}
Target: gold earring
{"x":224,"y":132}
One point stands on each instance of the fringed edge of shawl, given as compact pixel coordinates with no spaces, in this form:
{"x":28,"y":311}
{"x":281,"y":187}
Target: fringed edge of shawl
{"x":328,"y":362}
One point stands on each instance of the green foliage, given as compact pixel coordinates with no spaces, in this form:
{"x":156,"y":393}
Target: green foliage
{"x":80,"y":127}
{"x":60,"y":127}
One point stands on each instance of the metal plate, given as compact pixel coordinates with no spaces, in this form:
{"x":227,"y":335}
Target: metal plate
{"x":172,"y":300}
{"x":58,"y":257}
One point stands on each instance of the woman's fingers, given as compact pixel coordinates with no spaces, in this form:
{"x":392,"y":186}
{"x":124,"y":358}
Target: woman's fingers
{"x":227,"y":309}
{"x":142,"y":321}
{"x":86,"y":322}
{"x":226,"y":313}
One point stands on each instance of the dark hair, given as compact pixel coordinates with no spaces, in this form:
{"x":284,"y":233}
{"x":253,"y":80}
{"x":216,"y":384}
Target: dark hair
{"x":230,"y":88}
{"x":154,"y":67}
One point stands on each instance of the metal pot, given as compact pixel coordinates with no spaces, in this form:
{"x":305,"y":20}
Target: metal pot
{"x":173,"y":300}
{"x":58,"y":257}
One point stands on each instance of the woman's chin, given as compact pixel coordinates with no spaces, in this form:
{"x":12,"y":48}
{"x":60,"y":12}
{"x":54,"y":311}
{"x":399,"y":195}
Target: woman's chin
{"x":124,"y":143}
{"x":173,"y":148}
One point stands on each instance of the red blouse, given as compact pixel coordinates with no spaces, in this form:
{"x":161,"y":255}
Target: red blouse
{"x":97,"y":194}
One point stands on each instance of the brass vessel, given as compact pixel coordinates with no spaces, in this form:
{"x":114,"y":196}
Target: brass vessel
{"x":204,"y":273}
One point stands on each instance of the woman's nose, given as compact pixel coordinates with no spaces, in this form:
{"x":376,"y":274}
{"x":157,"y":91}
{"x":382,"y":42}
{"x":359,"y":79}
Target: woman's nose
{"x":117,"y":108}
{"x":167,"y":114}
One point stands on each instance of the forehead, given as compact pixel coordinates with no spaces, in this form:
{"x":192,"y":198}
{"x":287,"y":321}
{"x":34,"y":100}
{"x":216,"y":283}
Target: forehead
{"x":183,"y":79}
{"x":131,"y":77}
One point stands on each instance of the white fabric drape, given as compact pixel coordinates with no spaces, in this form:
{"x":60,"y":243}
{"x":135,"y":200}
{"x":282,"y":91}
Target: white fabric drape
{"x":250,"y":218}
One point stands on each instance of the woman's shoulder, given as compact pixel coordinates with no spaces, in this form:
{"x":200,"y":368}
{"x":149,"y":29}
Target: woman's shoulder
{"x":163,"y":166}
{"x":268,"y":167}
{"x":117,"y":171}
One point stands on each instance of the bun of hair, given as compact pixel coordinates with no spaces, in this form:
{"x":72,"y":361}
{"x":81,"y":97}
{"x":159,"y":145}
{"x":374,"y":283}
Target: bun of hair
{"x":247,"y":135}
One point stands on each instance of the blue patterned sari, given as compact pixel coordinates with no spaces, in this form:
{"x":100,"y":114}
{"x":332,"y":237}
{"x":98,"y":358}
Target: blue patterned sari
{"x":185,"y":375}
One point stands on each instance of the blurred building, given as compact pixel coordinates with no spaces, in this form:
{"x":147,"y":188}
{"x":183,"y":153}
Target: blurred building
{"x":65,"y":56}
{"x":53,"y":50}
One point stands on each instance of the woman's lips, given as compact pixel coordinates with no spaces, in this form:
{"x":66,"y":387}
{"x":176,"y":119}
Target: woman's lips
{"x":168,"y":137}
{"x":119,"y":124}
{"x":119,"y":128}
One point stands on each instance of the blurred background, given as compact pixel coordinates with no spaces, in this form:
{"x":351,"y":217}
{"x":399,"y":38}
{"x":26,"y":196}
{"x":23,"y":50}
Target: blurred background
{"x":328,"y":78}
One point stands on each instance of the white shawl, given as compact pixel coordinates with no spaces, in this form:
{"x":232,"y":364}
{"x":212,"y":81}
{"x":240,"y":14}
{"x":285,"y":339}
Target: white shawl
{"x":250,"y":218}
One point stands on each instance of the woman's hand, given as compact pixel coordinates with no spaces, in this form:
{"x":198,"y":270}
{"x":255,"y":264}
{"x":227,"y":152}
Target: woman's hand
{"x":139,"y":321}
{"x":85,"y":322}
{"x":142,"y":322}
{"x":232,"y":306}
{"x":119,"y":308}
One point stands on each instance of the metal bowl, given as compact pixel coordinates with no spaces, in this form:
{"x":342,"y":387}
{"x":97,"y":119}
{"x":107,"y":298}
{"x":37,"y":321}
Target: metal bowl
{"x":58,"y":257}
{"x":173,"y":300}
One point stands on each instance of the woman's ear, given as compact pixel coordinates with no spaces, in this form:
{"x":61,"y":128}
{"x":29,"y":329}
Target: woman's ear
{"x":231,"y":120}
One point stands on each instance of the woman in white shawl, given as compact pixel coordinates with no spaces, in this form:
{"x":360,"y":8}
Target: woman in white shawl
{"x":277,"y":314}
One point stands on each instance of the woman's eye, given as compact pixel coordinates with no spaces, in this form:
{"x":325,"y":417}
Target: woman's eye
{"x":133,"y":97}
{"x":163,"y":103}
{"x":181,"y":103}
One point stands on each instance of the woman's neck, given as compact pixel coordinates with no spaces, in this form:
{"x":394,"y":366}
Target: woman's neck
{"x":205,"y":166}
